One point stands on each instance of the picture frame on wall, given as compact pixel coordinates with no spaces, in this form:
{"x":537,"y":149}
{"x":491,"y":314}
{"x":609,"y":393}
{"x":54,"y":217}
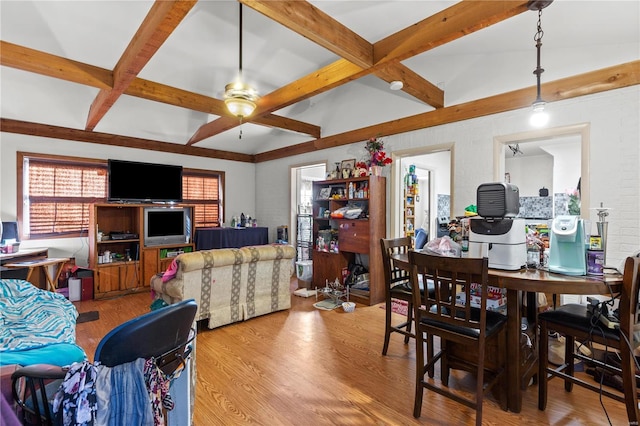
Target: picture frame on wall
{"x":347,"y":166}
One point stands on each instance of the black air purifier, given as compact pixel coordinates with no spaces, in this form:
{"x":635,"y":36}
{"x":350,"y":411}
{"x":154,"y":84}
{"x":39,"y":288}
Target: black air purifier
{"x":498,"y":200}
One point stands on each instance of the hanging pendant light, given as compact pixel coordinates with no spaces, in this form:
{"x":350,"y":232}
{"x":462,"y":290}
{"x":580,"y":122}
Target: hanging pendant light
{"x":539,"y":117}
{"x":239,"y":97}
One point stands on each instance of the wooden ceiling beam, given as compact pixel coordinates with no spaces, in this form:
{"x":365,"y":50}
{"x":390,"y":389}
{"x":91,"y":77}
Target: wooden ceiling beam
{"x":463,"y":18}
{"x":65,"y":133}
{"x":458,"y":20}
{"x":310,"y":22}
{"x":413,"y":84}
{"x":25,"y":59}
{"x":163,"y":18}
{"x":616,"y":77}
{"x":49,"y":65}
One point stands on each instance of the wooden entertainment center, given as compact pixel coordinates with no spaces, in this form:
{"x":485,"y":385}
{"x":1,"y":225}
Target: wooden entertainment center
{"x":126,"y":264}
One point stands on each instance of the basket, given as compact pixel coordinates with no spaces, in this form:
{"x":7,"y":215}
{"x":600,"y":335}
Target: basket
{"x":348,"y":306}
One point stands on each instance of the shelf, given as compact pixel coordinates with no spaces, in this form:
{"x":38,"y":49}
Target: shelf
{"x":137,"y":240}
{"x":357,"y":238}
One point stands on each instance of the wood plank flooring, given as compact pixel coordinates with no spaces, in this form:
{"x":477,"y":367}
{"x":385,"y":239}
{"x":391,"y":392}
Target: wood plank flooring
{"x":310,"y":367}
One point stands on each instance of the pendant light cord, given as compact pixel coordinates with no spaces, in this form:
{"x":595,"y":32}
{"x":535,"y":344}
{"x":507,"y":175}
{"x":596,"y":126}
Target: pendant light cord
{"x":240,"y":44}
{"x":538,"y":39}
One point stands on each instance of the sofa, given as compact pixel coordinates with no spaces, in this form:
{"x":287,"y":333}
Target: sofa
{"x":231,"y":284}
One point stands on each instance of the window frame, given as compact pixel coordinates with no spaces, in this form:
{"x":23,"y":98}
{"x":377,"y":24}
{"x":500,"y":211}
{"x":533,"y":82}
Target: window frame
{"x":220,"y":175}
{"x":20,"y":181}
{"x":21,"y":192}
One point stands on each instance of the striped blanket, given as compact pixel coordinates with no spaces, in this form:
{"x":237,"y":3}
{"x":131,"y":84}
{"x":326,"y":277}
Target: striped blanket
{"x":32,"y":318}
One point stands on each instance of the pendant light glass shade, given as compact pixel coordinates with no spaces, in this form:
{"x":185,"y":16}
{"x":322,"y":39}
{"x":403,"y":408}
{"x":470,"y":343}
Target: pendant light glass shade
{"x":539,"y":117}
{"x":240,"y":99}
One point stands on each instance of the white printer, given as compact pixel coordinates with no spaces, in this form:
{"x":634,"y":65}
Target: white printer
{"x":497,"y":234}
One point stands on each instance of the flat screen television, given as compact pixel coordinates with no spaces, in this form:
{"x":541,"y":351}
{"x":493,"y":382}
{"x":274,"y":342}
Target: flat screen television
{"x":135,"y":182}
{"x":166,"y":225}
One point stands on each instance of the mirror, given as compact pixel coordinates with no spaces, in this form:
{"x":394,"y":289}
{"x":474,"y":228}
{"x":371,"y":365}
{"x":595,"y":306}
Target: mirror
{"x":555,"y":159}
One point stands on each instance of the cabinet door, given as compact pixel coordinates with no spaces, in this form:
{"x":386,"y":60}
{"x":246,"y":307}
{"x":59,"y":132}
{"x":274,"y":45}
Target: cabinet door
{"x":328,"y":266}
{"x":129,"y":276}
{"x":149,"y":265}
{"x":108,"y":279}
{"x":353,"y":236}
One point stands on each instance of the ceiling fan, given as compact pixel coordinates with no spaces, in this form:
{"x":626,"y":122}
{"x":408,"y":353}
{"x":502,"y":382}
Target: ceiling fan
{"x":515,"y":149}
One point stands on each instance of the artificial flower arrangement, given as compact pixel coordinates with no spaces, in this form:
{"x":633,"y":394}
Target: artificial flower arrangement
{"x":377,"y":156}
{"x":574,"y":202}
{"x":361,"y":169}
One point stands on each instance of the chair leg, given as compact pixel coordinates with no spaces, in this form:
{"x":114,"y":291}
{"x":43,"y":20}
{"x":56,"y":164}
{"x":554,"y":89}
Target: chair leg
{"x":630,"y":386}
{"x":417,"y":404}
{"x":429,"y":340}
{"x":444,"y":363}
{"x":409,"y":322}
{"x":543,"y":362}
{"x":480,"y":385}
{"x":569,"y":361}
{"x":387,"y":327}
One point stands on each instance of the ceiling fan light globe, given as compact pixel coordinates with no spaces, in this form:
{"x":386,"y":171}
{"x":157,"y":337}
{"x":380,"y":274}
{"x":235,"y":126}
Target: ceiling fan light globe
{"x":240,"y":99}
{"x":239,"y":106}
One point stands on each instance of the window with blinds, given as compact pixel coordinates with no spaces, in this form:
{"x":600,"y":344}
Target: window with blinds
{"x":57,"y":192}
{"x":203,"y":189}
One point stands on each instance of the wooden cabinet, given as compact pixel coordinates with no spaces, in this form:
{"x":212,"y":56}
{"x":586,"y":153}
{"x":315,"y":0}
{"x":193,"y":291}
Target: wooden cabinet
{"x":340,"y":240}
{"x":117,"y":252}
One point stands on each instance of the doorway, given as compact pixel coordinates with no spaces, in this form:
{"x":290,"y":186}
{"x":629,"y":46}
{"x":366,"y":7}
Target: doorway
{"x":301,"y":223}
{"x":433,"y":200}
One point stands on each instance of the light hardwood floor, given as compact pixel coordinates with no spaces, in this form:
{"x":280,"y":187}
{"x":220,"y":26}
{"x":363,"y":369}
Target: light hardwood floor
{"x":310,"y":367}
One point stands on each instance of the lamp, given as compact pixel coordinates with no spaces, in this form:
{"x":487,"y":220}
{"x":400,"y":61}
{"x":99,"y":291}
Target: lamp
{"x":239,"y":97}
{"x":539,"y":117}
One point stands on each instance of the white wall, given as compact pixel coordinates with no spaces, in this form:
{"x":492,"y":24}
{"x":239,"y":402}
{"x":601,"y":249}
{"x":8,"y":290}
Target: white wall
{"x":263,"y":190}
{"x":240,"y":181}
{"x":530,"y":174}
{"x":614,"y":159}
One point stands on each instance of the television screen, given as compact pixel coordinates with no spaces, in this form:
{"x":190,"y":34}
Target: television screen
{"x":144,"y":182}
{"x":166,"y":225}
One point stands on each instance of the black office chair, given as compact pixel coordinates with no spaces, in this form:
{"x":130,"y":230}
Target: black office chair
{"x":579,"y":326}
{"x":471,"y":338}
{"x":164,"y":335}
{"x":397,"y":286}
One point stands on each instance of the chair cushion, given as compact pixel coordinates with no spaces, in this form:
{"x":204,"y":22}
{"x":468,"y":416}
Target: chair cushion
{"x":421,"y":238}
{"x":495,"y":321}
{"x":404,"y":288}
{"x":577,"y":317}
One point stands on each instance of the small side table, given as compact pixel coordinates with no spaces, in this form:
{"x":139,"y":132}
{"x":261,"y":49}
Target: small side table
{"x":57,"y":262}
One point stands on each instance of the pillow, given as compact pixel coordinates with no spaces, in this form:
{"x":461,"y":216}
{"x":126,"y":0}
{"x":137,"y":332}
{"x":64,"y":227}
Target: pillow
{"x":171,"y":271}
{"x":421,"y":238}
{"x":60,"y":354}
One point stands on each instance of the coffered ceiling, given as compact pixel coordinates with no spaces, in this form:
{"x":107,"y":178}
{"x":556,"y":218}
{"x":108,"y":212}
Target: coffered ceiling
{"x":152,"y":74}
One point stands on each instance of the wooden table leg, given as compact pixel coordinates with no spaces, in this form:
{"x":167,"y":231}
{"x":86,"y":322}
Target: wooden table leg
{"x":514,"y":395}
{"x":29,"y":274}
{"x":59,"y":267}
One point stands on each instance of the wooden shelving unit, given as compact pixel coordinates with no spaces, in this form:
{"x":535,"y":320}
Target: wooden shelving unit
{"x":350,"y":237}
{"x":132,"y":265}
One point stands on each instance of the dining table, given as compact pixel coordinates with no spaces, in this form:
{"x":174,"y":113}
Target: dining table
{"x":524,"y":284}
